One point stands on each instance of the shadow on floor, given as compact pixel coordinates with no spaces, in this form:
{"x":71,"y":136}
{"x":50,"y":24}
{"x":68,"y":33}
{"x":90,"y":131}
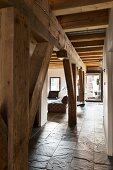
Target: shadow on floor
{"x":59,"y":147}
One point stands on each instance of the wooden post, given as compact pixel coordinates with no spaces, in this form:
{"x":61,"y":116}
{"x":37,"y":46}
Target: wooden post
{"x":14,"y":56}
{"x":43,"y":58}
{"x":81,"y":85}
{"x":3,"y":145}
{"x":74,"y":71}
{"x":71,"y":93}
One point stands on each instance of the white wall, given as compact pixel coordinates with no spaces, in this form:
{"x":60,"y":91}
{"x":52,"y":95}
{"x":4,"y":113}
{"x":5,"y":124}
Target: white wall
{"x":59,"y":72}
{"x":108,"y":86}
{"x":43,"y":108}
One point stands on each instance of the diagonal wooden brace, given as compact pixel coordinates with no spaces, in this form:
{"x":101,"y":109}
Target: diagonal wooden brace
{"x":42,"y":59}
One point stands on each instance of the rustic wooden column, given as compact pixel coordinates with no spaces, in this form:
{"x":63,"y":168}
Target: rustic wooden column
{"x":39,"y":65}
{"x":14,"y":56}
{"x":81,"y":85}
{"x":74,"y":71}
{"x":71,"y":93}
{"x":3,"y":145}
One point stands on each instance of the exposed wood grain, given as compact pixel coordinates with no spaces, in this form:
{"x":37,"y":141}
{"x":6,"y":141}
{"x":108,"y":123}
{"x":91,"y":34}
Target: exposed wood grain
{"x":72,"y":120}
{"x":91,"y":54}
{"x":43,"y":64}
{"x":35,"y":64}
{"x":64,"y":7}
{"x":85,"y":21}
{"x":88,"y":43}
{"x":74,"y":72}
{"x":62,"y":54}
{"x":89,"y":49}
{"x":15,"y":53}
{"x":81,"y":85}
{"x":56,"y":65}
{"x":87,"y":37}
{"x":3,"y":145}
{"x":91,"y":59}
{"x":53,"y":33}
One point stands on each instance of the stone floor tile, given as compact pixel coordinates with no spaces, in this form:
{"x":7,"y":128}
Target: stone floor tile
{"x":102,"y":167}
{"x":100,"y":148}
{"x":81,"y":164}
{"x":67,"y":145}
{"x":59,"y":147}
{"x":103,"y":159}
{"x":84,"y":155}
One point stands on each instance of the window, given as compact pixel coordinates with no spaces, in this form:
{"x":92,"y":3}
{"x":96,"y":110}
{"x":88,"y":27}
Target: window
{"x":54,"y":83}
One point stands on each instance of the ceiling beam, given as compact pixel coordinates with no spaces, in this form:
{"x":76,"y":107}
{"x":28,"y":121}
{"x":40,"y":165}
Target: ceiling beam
{"x":91,"y":54}
{"x":87,"y":37}
{"x":43,"y":23}
{"x":55,"y":65}
{"x":91,"y":57}
{"x":64,"y":7}
{"x":85,"y":21}
{"x":93,"y":64}
{"x":51,"y":61}
{"x":85,"y":44}
{"x":89,"y":49}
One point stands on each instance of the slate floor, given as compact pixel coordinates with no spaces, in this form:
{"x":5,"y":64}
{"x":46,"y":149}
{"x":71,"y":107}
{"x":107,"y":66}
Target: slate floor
{"x":58,"y":147}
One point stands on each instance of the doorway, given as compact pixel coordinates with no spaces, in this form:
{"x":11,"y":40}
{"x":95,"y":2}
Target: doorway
{"x":93,"y":88}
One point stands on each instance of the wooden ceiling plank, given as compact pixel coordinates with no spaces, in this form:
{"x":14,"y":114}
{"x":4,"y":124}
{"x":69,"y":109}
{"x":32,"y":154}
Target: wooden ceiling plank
{"x":64,"y":7}
{"x":87,"y":37}
{"x":91,"y":58}
{"x":91,"y":54}
{"x":84,"y":21}
{"x":88,"y":43}
{"x":89,"y":49}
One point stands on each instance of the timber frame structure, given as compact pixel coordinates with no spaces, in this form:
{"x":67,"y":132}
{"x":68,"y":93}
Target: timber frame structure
{"x":22,"y":74}
{"x":31,"y":38}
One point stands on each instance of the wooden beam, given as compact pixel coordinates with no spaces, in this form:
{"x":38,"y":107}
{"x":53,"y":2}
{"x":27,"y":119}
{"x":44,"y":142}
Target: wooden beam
{"x":44,"y":24}
{"x":74,"y":72}
{"x":93,"y":64}
{"x":91,"y":61}
{"x":87,"y":37}
{"x":81,"y":85}
{"x":65,"y":7}
{"x":15,"y":62}
{"x":3,"y":145}
{"x":88,"y":58}
{"x":84,"y":21}
{"x":62,"y":54}
{"x":36,"y":63}
{"x":56,"y":65}
{"x":91,"y":54}
{"x":43,"y":64}
{"x":57,"y":61}
{"x":86,"y":44}
{"x":71,"y":93}
{"x":89,"y":49}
